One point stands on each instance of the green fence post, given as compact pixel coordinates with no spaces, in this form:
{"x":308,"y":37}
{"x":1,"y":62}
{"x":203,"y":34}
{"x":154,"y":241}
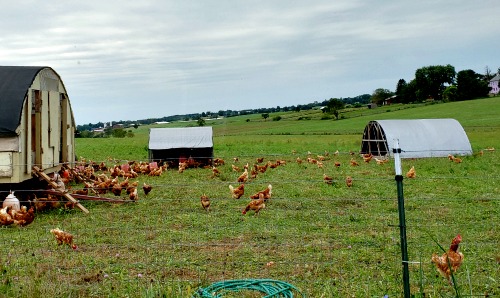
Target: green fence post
{"x":402,"y":220}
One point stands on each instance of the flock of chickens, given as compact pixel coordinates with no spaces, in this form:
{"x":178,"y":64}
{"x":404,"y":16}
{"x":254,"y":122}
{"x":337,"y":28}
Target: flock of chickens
{"x":98,"y":179}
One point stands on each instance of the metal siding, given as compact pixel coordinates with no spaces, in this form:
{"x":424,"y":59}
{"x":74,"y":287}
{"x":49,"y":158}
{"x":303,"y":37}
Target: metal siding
{"x":6,"y":164}
{"x":189,"y":137}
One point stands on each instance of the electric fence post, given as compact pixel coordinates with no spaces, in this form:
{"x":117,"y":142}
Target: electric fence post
{"x":402,"y":220}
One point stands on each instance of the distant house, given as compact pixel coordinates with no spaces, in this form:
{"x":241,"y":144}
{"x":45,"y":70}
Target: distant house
{"x":389,"y":100}
{"x":371,"y":105}
{"x":494,"y":85}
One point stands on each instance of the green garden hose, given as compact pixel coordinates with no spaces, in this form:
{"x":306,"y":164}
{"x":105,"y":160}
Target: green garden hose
{"x":270,"y":287}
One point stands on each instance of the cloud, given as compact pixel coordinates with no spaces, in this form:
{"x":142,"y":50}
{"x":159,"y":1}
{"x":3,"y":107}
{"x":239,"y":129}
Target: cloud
{"x":126,"y":60}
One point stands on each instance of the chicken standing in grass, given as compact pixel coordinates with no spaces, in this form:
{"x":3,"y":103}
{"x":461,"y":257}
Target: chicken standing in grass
{"x":328,"y":180}
{"x":146,"y":188}
{"x":450,"y":260}
{"x":215,"y":172}
{"x":237,"y":192}
{"x":5,"y":217}
{"x":205,"y":202}
{"x":255,"y":205}
{"x":24,"y":216}
{"x":63,"y":237}
{"x":133,"y":194}
{"x":266,"y":193}
{"x":411,"y":173}
{"x":348,"y":181}
{"x":367,"y":157}
{"x":243,"y":177}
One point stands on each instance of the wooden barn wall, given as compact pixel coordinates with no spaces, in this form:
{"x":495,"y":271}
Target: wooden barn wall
{"x":48,"y":124}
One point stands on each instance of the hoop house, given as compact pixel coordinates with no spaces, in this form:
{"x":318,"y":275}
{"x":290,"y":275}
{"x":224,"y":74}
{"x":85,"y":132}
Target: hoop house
{"x":417,"y":138}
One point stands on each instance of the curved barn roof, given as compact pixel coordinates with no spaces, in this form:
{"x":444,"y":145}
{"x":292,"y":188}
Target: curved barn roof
{"x":14,"y":84}
{"x":417,"y":138}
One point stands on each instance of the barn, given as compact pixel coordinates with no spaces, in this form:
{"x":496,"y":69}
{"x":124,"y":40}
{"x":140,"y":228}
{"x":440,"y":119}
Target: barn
{"x":417,"y":138}
{"x":174,"y":145}
{"x":36,"y":122}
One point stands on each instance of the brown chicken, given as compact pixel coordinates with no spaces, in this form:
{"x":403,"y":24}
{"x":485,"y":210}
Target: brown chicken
{"x":266,"y":193}
{"x":63,"y":237}
{"x":50,"y":202}
{"x":354,"y":163}
{"x":337,"y":164}
{"x":243,"y":177}
{"x":411,"y":173}
{"x":117,"y":190}
{"x":24,"y":216}
{"x":219,"y":162}
{"x":255,"y":205}
{"x":146,"y":188}
{"x":133,"y":194}
{"x":235,"y":168}
{"x":367,"y":157}
{"x":328,"y":180}
{"x":261,"y":169}
{"x":450,"y":260}
{"x":205,"y":202}
{"x":84,"y":190}
{"x":215,"y":172}
{"x":381,"y":161}
{"x":5,"y":217}
{"x":348,"y":181}
{"x":237,"y":192}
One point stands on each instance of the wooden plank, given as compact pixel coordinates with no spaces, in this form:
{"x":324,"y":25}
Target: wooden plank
{"x":89,"y":198}
{"x":41,"y":174}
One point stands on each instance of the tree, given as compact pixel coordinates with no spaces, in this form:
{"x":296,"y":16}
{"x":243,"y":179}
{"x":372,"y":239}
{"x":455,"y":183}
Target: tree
{"x":201,"y":122}
{"x":265,"y":116}
{"x":380,"y":94}
{"x":401,"y":88}
{"x":119,"y":133}
{"x":450,"y":93}
{"x":487,"y":74}
{"x":470,"y":85}
{"x":333,"y":106}
{"x":431,"y":80}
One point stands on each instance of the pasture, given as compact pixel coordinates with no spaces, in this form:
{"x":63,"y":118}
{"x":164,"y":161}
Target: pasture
{"x":326,"y":240}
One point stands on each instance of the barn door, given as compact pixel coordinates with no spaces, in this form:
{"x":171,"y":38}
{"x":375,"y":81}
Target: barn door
{"x":36,"y":129}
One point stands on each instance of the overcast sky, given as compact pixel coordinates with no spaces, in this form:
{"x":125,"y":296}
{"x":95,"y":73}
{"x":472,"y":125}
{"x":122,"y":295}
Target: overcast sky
{"x":129,"y":60}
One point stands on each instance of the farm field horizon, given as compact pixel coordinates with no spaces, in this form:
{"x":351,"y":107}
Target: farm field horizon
{"x":328,"y":240}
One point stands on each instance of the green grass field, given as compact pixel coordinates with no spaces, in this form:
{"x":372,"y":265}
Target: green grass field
{"x":327,"y":240}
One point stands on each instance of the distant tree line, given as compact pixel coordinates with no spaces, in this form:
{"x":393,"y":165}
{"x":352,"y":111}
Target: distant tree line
{"x":358,"y":100}
{"x":437,"y":82}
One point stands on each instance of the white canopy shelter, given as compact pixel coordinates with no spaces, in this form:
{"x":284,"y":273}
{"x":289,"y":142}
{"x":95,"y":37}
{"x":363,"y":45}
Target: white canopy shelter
{"x":417,"y":138}
{"x":179,"y":143}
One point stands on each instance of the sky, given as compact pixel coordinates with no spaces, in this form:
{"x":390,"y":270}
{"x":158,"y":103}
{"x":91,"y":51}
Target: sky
{"x":131,"y":60}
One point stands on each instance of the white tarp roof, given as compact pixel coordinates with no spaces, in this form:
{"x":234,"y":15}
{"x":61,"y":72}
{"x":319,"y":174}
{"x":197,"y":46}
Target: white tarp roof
{"x":426,"y":137}
{"x":182,"y":137}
